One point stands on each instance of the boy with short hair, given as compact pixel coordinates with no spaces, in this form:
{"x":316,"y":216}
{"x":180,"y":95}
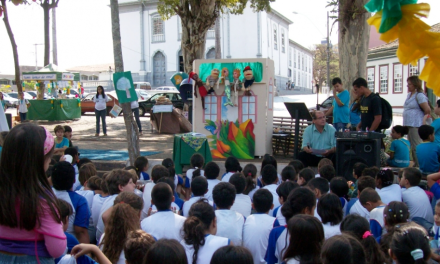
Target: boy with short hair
{"x":328,"y":172}
{"x":257,"y":227}
{"x":358,"y":168}
{"x":323,"y":162}
{"x":283,"y":191}
{"x":339,"y":186}
{"x":63,"y":177}
{"x":319,"y":186}
{"x":164,"y":223}
{"x":61,"y":143}
{"x":354,"y":206}
{"x":414,"y":197}
{"x":199,"y":187}
{"x":117,"y":181}
{"x":229,"y":223}
{"x":136,"y":246}
{"x":371,"y":171}
{"x":242,"y":203}
{"x":270,"y":179}
{"x":428,"y":152}
{"x":212,"y":171}
{"x":157,"y":172}
{"x":370,"y":199}
{"x":68,"y":135}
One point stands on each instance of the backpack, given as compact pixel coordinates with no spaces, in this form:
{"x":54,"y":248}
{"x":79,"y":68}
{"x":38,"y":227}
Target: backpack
{"x":433,"y":115}
{"x":387,"y":114}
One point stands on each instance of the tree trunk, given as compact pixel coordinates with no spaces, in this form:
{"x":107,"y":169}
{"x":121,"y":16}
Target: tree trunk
{"x":54,"y":37}
{"x":354,"y":34}
{"x":46,"y":10}
{"x":218,"y":47}
{"x":14,"y":46}
{"x":193,"y":45}
{"x":130,"y":124}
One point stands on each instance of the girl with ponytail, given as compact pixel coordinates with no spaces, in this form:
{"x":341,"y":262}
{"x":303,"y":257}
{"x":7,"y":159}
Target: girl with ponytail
{"x":124,"y":218}
{"x":200,"y":241}
{"x":250,"y":172}
{"x":358,"y":227}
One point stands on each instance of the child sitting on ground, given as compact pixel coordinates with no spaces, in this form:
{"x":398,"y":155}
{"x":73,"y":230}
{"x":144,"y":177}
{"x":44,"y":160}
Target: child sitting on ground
{"x":354,"y":206}
{"x":229,"y":223}
{"x":330,"y":211}
{"x":428,"y":152}
{"x":319,"y":186}
{"x":178,"y":180}
{"x":387,"y":190}
{"x":288,"y":174}
{"x":358,"y":168}
{"x":68,"y":135}
{"x":299,"y":201}
{"x":297,"y":165}
{"x":176,"y":205}
{"x":212,"y":171}
{"x":199,"y":187}
{"x":339,"y":186}
{"x":328,"y":172}
{"x":61,"y":143}
{"x":170,"y":223}
{"x":65,"y":212}
{"x":197,"y":161}
{"x":250,"y":172}
{"x":232,"y":165}
{"x":232,"y":255}
{"x":304,"y":176}
{"x":75,"y":159}
{"x":63,"y":177}
{"x":269,"y":160}
{"x":269,"y":180}
{"x":136,"y":246}
{"x":166,"y":251}
{"x":157,"y":172}
{"x":399,"y":149}
{"x":141,"y":165}
{"x":257,"y":227}
{"x":200,"y":228}
{"x":242,"y":202}
{"x":85,"y":173}
{"x":342,"y":249}
{"x":420,"y":210}
{"x":371,"y":171}
{"x":323,"y":162}
{"x":283,"y":191}
{"x":409,"y":245}
{"x":370,"y":199}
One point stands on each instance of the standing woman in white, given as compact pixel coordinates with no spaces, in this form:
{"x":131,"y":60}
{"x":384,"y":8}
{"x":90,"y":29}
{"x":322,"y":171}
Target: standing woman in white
{"x":101,"y":100}
{"x":23,"y":106}
{"x":200,"y":241}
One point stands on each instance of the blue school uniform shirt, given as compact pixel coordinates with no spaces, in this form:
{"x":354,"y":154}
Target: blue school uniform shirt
{"x":81,"y":212}
{"x":145,"y":176}
{"x":62,"y":144}
{"x":341,"y":114}
{"x":376,"y":221}
{"x":435,"y":189}
{"x":436,"y":126}
{"x":427,"y":155}
{"x":277,"y":241}
{"x":401,"y":148}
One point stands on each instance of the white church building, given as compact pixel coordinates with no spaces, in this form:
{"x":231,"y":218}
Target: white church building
{"x":151,"y":47}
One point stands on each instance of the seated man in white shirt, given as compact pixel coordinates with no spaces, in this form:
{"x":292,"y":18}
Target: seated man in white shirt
{"x":242,"y":203}
{"x":164,"y":223}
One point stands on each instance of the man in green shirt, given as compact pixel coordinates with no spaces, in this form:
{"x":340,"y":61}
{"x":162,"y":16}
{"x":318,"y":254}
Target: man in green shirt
{"x":319,"y":141}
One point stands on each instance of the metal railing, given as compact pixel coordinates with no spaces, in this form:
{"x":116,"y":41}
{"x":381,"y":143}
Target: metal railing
{"x":287,"y":125}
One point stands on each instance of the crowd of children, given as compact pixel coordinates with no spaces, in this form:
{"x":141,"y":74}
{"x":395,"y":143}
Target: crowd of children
{"x":296,"y":216}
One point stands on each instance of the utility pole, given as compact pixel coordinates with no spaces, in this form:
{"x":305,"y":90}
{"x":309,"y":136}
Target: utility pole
{"x":36,"y":62}
{"x":54,"y":37}
{"x":328,"y":51}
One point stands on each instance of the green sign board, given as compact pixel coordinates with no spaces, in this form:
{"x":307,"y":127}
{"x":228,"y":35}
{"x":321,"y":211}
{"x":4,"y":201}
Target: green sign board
{"x":124,"y":87}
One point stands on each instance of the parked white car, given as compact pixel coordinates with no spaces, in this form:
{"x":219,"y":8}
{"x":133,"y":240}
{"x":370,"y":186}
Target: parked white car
{"x":165,"y":88}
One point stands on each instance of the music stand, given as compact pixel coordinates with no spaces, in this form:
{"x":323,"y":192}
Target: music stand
{"x":298,"y":111}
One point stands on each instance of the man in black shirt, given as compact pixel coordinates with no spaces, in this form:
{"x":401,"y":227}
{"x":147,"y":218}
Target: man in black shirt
{"x":371,"y":107}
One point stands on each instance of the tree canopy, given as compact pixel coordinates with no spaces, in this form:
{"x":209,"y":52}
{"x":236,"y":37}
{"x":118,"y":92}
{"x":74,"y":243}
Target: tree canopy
{"x":319,"y":56}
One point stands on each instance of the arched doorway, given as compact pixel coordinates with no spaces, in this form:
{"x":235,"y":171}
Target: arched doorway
{"x":159,"y":69}
{"x":210,"y":54}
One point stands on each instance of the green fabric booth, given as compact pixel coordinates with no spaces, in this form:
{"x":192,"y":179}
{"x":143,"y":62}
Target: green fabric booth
{"x":182,"y":153}
{"x":46,"y":110}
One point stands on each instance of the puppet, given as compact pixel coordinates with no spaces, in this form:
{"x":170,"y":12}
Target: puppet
{"x":225,"y":80}
{"x":199,"y":86}
{"x":248,"y":80}
{"x":236,"y":85}
{"x":213,"y":80}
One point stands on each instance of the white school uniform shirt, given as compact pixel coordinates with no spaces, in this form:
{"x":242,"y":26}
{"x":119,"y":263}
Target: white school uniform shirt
{"x":189,"y":173}
{"x":97,"y":203}
{"x":101,"y":102}
{"x":211,"y":185}
{"x":273,"y":189}
{"x":100,"y":227}
{"x":377,"y":222}
{"x":390,"y":193}
{"x":204,"y":255}
{"x":242,"y":204}
{"x":227,"y":176}
{"x":256,"y":232}
{"x":22,"y":107}
{"x":418,"y":203}
{"x":230,"y":224}
{"x":315,"y":214}
{"x":147,"y":199}
{"x":121,"y":259}
{"x":357,"y":208}
{"x":174,"y":206}
{"x":187,"y":205}
{"x":331,"y":230}
{"x":164,"y":224}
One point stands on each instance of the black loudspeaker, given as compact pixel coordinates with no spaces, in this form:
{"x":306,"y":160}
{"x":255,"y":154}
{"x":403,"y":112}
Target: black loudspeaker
{"x":350,"y":151}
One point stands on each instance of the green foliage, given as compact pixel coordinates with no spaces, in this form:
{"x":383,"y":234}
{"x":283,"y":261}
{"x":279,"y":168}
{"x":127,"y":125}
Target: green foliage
{"x":320,"y":63}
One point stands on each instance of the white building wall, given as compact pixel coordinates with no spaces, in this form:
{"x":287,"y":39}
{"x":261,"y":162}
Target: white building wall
{"x":130,"y":38}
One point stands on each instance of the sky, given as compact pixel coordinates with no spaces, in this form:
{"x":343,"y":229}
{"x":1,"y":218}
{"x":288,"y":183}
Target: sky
{"x":84,"y":30}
